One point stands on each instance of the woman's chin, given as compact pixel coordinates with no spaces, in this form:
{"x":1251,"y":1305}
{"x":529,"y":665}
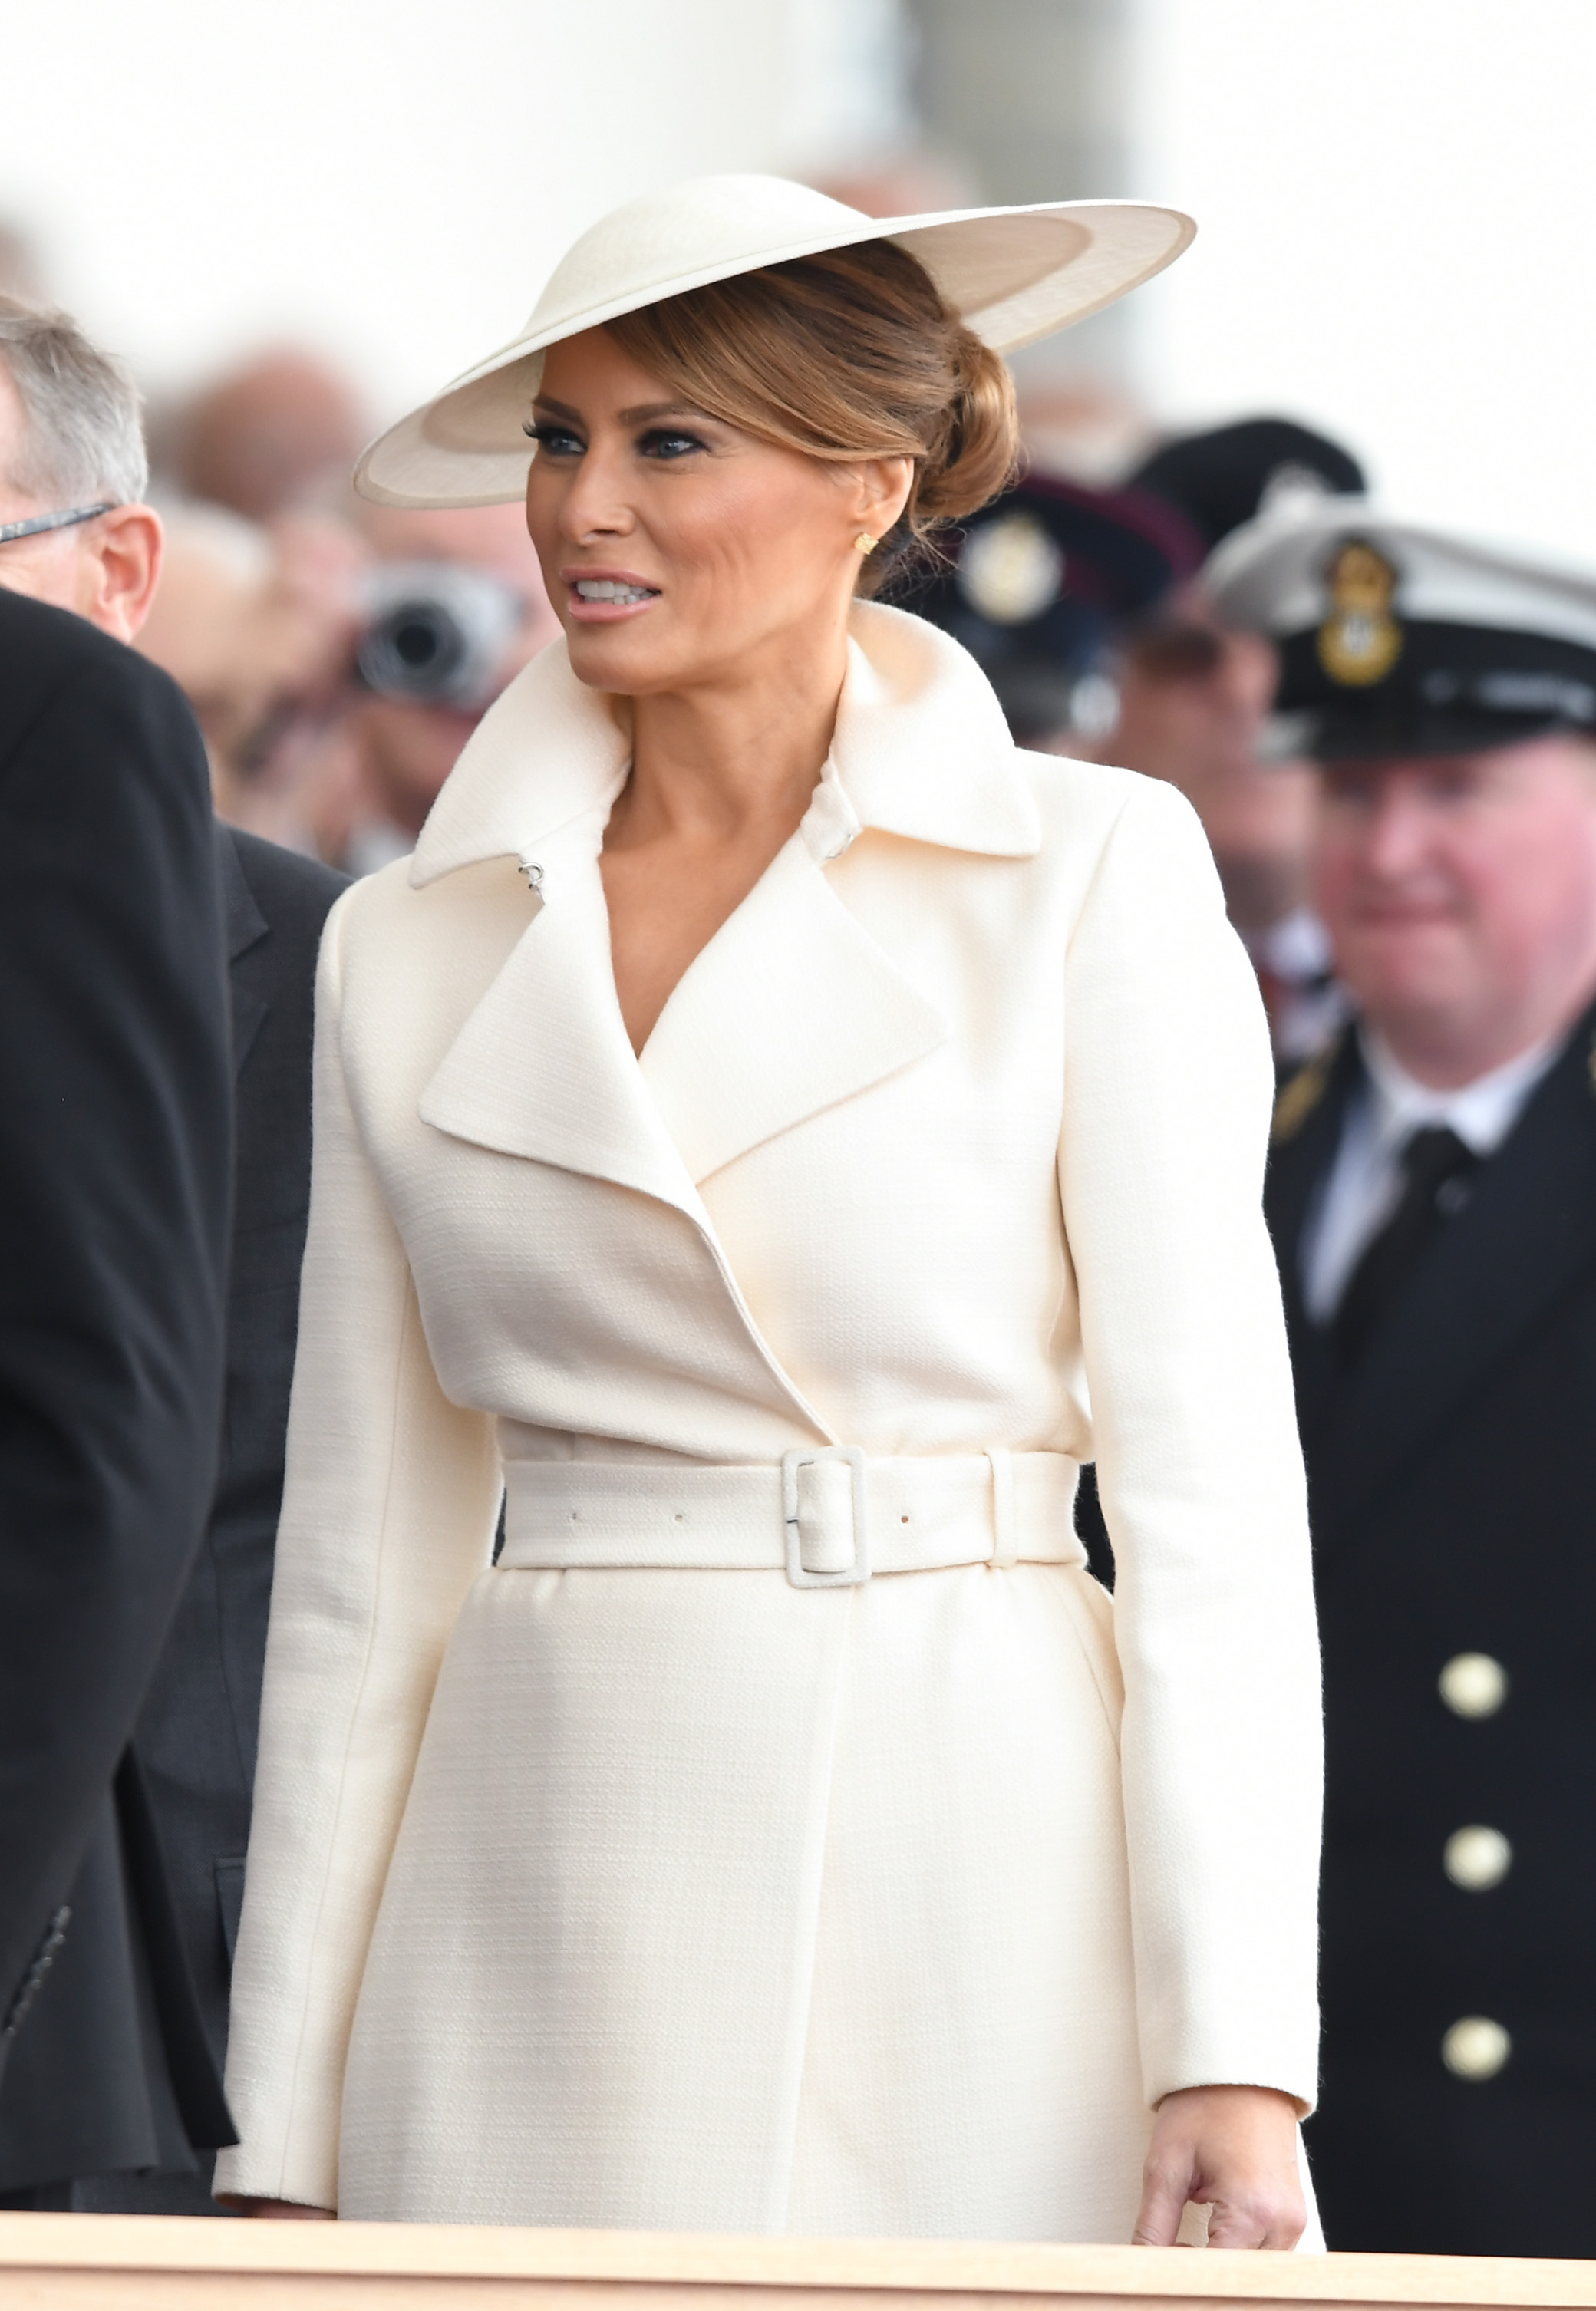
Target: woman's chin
{"x":621,"y":657}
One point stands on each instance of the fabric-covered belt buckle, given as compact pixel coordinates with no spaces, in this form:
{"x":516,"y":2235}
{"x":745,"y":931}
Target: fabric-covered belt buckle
{"x":849,"y":1576}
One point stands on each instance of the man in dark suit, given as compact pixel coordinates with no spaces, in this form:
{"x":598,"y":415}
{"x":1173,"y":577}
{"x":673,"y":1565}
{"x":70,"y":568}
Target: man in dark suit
{"x":115,"y":1177}
{"x":113,"y":2102}
{"x":1433,"y":1198}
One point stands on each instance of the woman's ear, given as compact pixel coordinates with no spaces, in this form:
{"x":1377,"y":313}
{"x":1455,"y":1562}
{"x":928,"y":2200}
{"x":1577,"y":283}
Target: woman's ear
{"x":884,"y":487}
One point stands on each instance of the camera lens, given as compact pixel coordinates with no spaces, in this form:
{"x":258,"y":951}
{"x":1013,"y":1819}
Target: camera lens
{"x":438,"y":632}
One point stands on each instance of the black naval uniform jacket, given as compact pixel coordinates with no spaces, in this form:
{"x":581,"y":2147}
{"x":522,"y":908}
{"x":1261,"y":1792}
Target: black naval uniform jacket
{"x":193,"y":1752}
{"x":115,"y":1167}
{"x":1453,"y":1482}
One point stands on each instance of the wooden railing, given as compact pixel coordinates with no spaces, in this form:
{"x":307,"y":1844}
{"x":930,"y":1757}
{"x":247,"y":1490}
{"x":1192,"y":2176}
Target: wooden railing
{"x":118,"y":2262}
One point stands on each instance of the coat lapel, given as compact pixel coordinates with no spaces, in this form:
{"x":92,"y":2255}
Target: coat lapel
{"x":793,"y":1006}
{"x":1526,"y":1234}
{"x":790,"y":1007}
{"x":246,"y":926}
{"x":543,"y":1068}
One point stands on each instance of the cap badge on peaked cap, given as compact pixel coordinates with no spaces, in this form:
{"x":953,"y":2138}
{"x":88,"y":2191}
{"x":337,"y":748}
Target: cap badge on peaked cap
{"x":1011,"y":570}
{"x":1361,"y":640}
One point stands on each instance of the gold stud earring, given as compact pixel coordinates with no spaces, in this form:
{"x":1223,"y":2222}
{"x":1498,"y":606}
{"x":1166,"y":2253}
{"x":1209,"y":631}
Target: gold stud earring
{"x":865,"y":543}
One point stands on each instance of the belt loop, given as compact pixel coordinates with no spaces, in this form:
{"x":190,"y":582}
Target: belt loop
{"x":1006,"y":1530}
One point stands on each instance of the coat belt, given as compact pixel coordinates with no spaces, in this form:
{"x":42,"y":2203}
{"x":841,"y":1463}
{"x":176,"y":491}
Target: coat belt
{"x":828,"y":1517}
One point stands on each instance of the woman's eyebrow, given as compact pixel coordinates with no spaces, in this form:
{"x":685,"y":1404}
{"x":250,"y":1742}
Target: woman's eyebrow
{"x":649,"y":413}
{"x":556,"y":408}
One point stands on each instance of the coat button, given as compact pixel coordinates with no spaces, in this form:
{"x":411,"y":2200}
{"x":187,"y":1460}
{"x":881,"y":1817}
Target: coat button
{"x":1476,"y":2047}
{"x":1473,"y":1685}
{"x":1476,"y":1858}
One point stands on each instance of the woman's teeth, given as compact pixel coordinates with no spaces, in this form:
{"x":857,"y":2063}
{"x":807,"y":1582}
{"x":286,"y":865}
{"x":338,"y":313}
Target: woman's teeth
{"x":611,"y":589}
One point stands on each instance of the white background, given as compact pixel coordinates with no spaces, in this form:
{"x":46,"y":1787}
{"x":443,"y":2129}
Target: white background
{"x":1397,"y":204}
{"x":1396,"y":197}
{"x":390,"y":178}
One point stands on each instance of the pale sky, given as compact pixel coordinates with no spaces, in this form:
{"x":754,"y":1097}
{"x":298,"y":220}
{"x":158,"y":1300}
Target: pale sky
{"x":1396,"y":197}
{"x":1397,"y":205}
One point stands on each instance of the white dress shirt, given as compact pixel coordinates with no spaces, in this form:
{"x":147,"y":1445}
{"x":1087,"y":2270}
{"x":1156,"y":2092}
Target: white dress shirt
{"x":1364,"y":1185}
{"x":1306,"y":1002}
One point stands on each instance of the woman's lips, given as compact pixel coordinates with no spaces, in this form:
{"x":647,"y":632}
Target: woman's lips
{"x":604,"y":596}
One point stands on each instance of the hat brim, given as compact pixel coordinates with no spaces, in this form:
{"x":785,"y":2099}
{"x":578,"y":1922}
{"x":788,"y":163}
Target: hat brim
{"x":1012,"y":274}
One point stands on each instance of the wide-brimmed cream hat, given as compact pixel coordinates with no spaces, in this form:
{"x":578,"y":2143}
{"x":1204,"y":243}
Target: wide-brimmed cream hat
{"x":1012,"y":274}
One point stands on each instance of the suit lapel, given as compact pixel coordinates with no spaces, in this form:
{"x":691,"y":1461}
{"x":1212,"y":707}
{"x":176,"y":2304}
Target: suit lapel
{"x":1528,"y":1230}
{"x":1308,"y":1119}
{"x":246,"y":927}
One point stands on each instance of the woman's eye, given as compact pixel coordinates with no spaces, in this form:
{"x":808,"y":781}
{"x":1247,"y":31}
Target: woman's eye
{"x":556,"y":440}
{"x":669,"y":444}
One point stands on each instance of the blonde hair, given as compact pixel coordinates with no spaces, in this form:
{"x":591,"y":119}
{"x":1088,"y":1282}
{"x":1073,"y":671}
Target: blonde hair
{"x":850,"y":354}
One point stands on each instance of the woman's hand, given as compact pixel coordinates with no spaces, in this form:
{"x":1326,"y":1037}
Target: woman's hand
{"x":1232,"y":2150}
{"x":276,"y":2210}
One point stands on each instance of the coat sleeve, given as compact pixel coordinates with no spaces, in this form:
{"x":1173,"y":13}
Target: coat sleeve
{"x":389,"y":1506}
{"x":116,"y":1162}
{"x":1168,"y":1092}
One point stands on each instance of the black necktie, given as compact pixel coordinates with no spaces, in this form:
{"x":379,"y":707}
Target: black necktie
{"x":1434,"y":1163}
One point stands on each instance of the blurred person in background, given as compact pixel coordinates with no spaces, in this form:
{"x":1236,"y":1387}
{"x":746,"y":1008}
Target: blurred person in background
{"x":259,"y":625}
{"x":1039,"y":586}
{"x":452,"y":607}
{"x":1432,"y":1198}
{"x":99,"y":2111}
{"x":279,"y":433}
{"x":1194,"y":709}
{"x":115,"y":1164}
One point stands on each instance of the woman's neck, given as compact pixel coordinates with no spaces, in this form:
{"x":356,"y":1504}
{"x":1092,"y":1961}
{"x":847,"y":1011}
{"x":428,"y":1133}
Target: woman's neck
{"x":721,"y":776}
{"x":714,"y":760}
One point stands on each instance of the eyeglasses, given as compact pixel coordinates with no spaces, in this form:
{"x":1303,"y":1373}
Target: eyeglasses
{"x":43,"y":521}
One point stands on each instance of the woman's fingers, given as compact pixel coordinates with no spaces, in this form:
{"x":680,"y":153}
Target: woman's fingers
{"x":1166,"y":2184}
{"x":1233,"y":2150}
{"x":1264,"y":2221}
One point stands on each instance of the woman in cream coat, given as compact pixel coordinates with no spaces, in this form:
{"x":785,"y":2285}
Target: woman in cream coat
{"x":772,"y":1132}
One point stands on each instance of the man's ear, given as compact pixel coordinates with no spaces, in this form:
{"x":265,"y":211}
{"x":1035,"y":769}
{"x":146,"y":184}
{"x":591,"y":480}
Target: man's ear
{"x":123,"y":568}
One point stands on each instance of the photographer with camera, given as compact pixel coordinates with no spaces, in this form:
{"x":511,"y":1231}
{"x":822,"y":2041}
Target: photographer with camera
{"x":454,"y":606}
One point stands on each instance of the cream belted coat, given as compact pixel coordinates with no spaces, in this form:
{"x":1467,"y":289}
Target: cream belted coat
{"x":627,"y":1882}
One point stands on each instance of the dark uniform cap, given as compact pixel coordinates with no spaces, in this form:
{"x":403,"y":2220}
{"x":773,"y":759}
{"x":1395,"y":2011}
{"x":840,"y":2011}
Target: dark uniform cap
{"x":1221,"y":478}
{"x":1039,"y":584}
{"x":1398,"y":640}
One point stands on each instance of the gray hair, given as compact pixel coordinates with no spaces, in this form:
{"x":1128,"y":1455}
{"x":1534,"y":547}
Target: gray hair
{"x":84,"y":437}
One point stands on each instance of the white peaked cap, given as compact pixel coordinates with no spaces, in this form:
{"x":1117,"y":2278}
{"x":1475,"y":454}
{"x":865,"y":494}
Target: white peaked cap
{"x":1011,"y":274}
{"x":1273,"y":574}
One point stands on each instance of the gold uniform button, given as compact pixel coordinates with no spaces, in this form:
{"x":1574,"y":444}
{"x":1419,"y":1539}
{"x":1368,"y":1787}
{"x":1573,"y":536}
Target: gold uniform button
{"x":1473,"y":1685}
{"x":1476,"y":2047}
{"x":1476,"y":1858}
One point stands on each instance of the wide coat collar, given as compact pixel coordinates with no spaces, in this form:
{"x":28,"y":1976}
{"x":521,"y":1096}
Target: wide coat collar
{"x":792,"y":1006}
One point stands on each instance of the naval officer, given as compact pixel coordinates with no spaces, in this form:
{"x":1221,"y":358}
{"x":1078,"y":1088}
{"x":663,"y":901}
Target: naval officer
{"x":1433,"y":1198}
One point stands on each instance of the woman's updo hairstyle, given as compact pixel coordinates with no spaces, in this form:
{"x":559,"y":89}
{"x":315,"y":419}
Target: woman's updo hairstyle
{"x":850,"y":354}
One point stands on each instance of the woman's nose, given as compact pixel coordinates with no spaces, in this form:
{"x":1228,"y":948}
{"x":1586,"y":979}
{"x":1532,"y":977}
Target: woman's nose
{"x":594,"y":505}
